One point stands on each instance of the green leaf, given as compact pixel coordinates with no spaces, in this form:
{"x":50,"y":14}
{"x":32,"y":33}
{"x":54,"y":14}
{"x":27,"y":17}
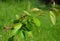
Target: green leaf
{"x":36,"y":21}
{"x":22,"y":34}
{"x":27,"y":13}
{"x":52,"y":17}
{"x":16,"y":28}
{"x":11,"y":38}
{"x":17,"y":17}
{"x":29,"y":34}
{"x":28,"y":25}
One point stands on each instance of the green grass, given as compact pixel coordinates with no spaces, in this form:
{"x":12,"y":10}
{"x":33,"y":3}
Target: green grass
{"x":48,"y":32}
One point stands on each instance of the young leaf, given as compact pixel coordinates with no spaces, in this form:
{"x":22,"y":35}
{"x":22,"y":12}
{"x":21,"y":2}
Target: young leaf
{"x":53,"y":18}
{"x":27,"y":13}
{"x":16,"y":28}
{"x":35,"y":9}
{"x":36,"y":21}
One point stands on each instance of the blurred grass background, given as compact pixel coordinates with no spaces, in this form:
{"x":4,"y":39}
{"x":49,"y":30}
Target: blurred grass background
{"x":46,"y":32}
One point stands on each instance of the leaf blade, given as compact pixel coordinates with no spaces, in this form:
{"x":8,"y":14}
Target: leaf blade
{"x":16,"y":28}
{"x":52,"y":17}
{"x":36,"y":21}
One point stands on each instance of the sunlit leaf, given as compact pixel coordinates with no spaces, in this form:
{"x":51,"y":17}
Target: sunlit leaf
{"x":27,"y":13}
{"x":16,"y":28}
{"x":35,"y":9}
{"x":36,"y":21}
{"x":52,"y":17}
